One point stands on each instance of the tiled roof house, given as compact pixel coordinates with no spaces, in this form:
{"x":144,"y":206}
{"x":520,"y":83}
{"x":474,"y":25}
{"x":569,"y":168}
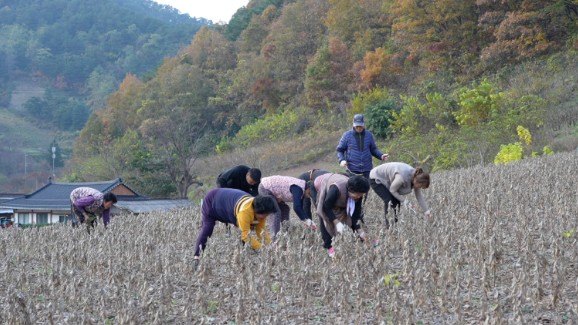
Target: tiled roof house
{"x":51,"y":203}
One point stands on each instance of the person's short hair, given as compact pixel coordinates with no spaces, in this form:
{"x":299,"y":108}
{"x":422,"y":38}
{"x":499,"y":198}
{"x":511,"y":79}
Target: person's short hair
{"x":108,"y":197}
{"x":264,"y":204}
{"x":357,"y":184}
{"x":255,"y":174}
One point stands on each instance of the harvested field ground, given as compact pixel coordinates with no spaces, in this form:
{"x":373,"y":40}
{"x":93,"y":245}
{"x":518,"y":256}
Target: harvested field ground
{"x":502,"y":249}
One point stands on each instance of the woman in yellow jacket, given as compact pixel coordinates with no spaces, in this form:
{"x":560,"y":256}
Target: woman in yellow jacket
{"x":232,"y":206}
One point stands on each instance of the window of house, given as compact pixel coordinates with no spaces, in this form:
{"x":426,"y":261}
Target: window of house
{"x":24,"y":218}
{"x":41,"y":218}
{"x":63,"y":219}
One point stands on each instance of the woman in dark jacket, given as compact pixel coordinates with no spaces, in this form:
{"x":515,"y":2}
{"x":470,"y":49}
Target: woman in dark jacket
{"x":338,"y":204}
{"x":241,"y":177}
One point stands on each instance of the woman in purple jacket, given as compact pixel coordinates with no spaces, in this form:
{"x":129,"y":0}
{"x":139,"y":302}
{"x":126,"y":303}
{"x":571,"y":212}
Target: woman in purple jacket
{"x":88,"y":203}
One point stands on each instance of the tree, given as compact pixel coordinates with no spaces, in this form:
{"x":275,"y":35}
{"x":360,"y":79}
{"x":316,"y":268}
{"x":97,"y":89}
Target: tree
{"x":361,"y":25}
{"x":176,"y":123}
{"x":292,"y":42}
{"x":258,"y":28}
{"x":519,"y":29}
{"x":329,"y":76}
{"x":379,"y":107}
{"x":438,"y":34}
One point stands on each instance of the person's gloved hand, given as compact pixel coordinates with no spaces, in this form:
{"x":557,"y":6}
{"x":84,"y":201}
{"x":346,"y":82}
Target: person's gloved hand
{"x":407,"y":204}
{"x":428,"y":213}
{"x":343,"y":163}
{"x":362,"y":235}
{"x":310,"y":224}
{"x":384,"y":156}
{"x":339,"y":227}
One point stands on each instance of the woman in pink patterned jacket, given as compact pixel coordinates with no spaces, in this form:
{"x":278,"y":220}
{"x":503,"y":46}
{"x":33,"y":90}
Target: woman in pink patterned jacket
{"x":286,"y":189}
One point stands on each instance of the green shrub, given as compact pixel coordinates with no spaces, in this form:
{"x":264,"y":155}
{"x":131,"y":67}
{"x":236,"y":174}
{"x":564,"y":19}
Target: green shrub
{"x":509,"y":152}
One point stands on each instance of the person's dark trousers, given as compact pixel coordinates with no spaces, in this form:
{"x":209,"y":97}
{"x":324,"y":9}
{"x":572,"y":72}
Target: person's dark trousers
{"x":313,"y":196}
{"x":307,"y":207}
{"x":327,"y":239}
{"x":388,"y":198}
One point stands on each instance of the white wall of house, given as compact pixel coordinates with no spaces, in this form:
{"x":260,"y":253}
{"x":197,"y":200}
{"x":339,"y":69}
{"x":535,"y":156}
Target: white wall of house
{"x":40,"y":217}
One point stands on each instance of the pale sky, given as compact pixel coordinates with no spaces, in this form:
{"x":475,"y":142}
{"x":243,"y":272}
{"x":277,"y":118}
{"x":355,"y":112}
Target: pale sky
{"x":215,"y":10}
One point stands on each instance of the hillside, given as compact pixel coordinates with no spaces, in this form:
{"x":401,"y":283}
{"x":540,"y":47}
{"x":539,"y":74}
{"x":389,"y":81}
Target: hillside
{"x":501,"y":249}
{"x":58,"y":67}
{"x":455,"y":81}
{"x":24,"y":153}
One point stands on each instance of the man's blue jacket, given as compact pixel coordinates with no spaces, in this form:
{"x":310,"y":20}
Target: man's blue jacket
{"x":357,"y":149}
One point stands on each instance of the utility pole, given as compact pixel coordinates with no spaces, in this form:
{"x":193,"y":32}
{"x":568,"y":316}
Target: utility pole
{"x":53,"y":156}
{"x":25,"y":168}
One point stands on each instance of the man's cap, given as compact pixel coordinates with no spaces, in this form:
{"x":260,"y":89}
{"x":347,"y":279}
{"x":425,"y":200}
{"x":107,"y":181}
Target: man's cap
{"x":358,"y":120}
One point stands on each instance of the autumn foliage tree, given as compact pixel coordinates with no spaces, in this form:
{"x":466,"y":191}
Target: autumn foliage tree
{"x":522,"y":29}
{"x":329,"y":76}
{"x":417,"y":68}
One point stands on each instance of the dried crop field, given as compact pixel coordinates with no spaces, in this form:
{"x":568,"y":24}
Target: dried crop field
{"x":502,"y":250}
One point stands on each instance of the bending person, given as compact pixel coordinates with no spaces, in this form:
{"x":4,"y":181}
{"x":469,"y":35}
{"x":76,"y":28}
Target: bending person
{"x":310,"y":176}
{"x":242,"y":178}
{"x":338,"y":203}
{"x":286,"y":189}
{"x":392,"y":181}
{"x":88,"y":204}
{"x":232,"y":206}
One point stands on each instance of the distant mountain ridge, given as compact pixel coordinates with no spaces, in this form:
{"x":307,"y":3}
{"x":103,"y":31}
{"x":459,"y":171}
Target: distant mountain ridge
{"x":61,"y":59}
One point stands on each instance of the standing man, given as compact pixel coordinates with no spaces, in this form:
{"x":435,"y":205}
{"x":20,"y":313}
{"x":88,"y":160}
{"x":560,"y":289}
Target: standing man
{"x":356,"y":148}
{"x":242,"y":178}
{"x":88,"y":203}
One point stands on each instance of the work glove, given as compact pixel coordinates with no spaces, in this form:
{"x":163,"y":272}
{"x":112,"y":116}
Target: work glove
{"x":310,"y":224}
{"x":428,"y":213}
{"x":339,"y":227}
{"x":384,"y":156}
{"x":407,"y":205}
{"x":362,"y":235}
{"x":343,"y":163}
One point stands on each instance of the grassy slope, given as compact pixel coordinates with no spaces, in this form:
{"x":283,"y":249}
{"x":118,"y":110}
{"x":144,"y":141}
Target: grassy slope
{"x":21,"y":135}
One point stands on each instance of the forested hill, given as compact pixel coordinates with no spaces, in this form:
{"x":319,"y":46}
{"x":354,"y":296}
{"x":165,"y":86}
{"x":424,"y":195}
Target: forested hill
{"x":87,"y":47}
{"x":444,"y":83}
{"x":447,"y":83}
{"x":61,"y":59}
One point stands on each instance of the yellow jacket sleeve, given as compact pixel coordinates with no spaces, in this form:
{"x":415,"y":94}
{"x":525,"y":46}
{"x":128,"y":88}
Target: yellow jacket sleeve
{"x":245,"y":217}
{"x":260,"y":229}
